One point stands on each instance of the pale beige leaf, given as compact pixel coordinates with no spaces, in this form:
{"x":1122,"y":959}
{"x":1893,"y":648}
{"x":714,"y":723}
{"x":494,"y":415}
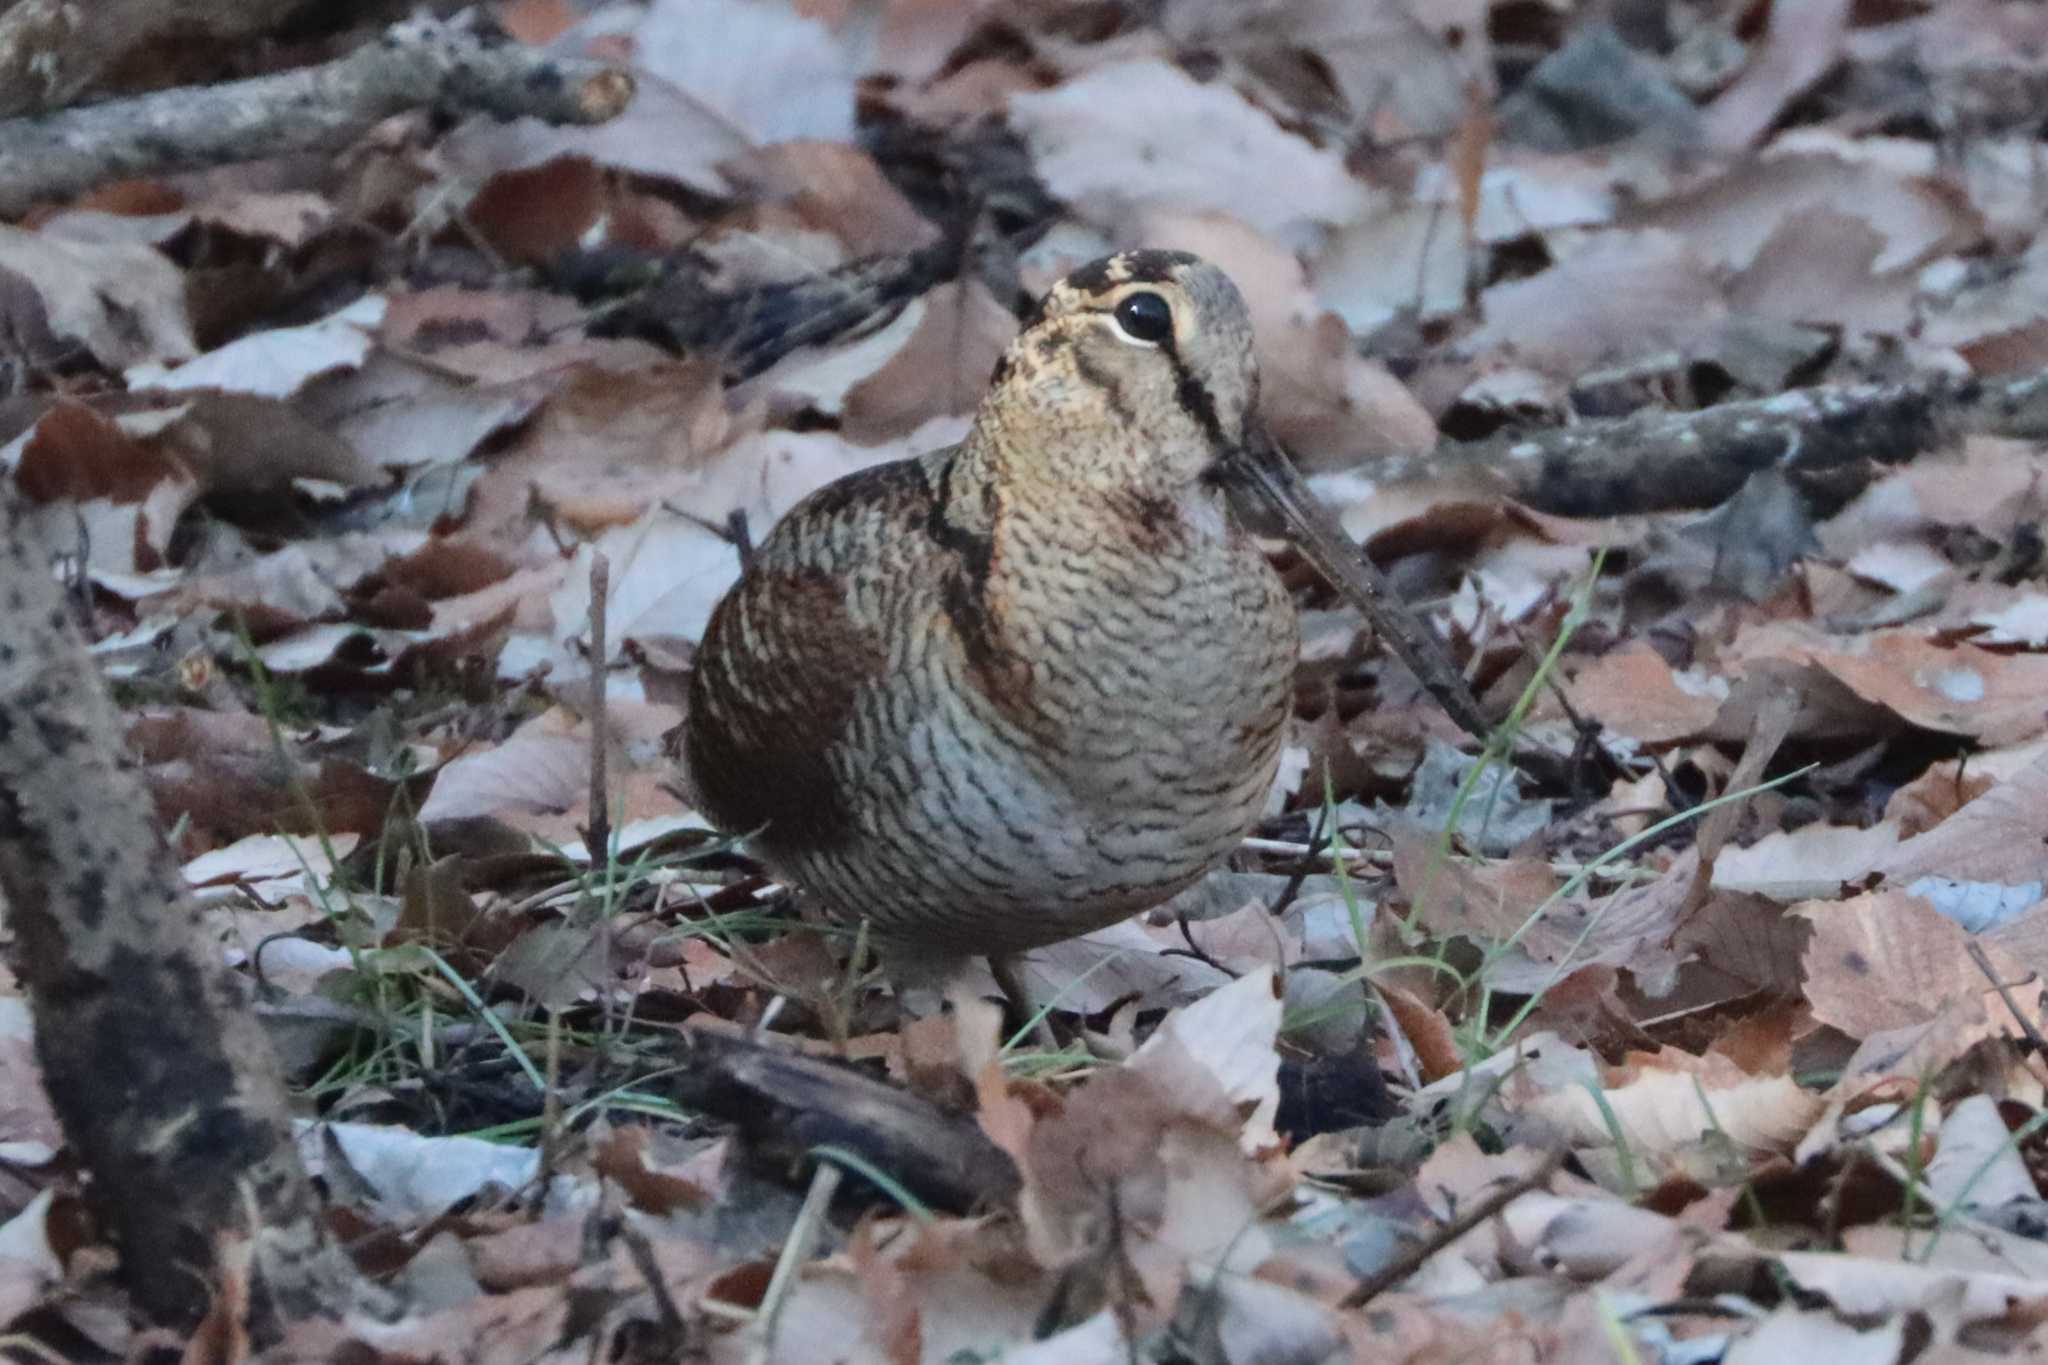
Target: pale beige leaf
{"x":1145,"y":132}
{"x":122,"y":302}
{"x":276,"y":363}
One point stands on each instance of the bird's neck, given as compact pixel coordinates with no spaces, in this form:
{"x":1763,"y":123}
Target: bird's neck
{"x":1065,"y":477}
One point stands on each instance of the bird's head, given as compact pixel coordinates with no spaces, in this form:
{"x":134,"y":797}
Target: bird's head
{"x":1134,"y":373}
{"x":1135,"y":377}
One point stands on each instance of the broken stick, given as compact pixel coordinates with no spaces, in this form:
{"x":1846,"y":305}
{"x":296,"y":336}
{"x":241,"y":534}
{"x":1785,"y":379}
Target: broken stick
{"x":417,"y":63}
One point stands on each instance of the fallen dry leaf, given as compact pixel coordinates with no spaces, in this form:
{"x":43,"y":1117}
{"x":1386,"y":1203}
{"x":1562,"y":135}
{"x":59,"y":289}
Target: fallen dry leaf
{"x":122,"y":303}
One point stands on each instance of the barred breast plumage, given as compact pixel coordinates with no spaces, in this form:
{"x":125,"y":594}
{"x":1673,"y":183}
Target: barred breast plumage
{"x":1020,"y":688}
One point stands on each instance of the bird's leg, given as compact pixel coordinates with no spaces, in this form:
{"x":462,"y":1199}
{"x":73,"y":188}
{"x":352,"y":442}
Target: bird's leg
{"x":1004,"y":970}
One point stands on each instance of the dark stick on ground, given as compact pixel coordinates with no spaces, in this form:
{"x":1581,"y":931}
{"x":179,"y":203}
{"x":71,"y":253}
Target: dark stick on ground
{"x":1827,"y":438}
{"x":413,"y":65}
{"x":785,"y":1104}
{"x":1411,"y":1260}
{"x":165,"y":1084}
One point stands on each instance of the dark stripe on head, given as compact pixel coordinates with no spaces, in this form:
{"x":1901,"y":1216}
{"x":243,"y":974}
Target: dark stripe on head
{"x":1194,"y":395}
{"x":1196,"y":398}
{"x":1107,"y":273}
{"x":1093,"y":278}
{"x":1129,"y":267}
{"x":1156,"y":267}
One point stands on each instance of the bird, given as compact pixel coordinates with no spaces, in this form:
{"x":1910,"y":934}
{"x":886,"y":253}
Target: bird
{"x":1017,"y":689}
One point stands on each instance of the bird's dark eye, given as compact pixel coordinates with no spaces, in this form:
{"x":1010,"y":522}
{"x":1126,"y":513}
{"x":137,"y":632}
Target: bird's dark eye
{"x":1145,"y":317}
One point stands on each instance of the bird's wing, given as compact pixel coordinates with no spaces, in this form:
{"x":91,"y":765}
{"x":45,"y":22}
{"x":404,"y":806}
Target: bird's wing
{"x":790,"y":647}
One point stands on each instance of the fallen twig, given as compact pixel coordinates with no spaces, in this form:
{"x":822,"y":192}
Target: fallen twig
{"x":2005,"y":993}
{"x":416,"y":63}
{"x":1824,"y":437}
{"x":1411,"y":1260}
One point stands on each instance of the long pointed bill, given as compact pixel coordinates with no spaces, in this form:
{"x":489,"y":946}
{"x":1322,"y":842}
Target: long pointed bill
{"x":1262,"y":474}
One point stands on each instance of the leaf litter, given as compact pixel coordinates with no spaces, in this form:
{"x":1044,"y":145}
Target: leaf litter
{"x":1709,"y":1029}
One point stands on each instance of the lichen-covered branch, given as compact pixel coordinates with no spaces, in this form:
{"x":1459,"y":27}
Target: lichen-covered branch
{"x":53,"y":52}
{"x":1826,"y":438}
{"x":418,"y":63}
{"x":164,"y":1082}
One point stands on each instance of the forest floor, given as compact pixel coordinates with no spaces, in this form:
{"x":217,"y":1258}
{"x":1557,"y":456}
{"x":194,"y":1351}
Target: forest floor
{"x":1692,"y":1018}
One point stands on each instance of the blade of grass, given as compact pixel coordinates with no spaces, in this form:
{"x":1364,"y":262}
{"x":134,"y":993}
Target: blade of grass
{"x":486,"y":1016}
{"x":879,"y":1178}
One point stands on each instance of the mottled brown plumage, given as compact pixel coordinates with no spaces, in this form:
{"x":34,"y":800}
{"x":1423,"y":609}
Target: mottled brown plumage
{"x":1020,"y":688}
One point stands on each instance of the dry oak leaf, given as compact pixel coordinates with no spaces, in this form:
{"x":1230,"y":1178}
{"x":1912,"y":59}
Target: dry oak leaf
{"x":1665,"y":1103}
{"x":942,"y":368}
{"x":837,"y":188}
{"x":1889,"y":183}
{"x":1879,"y":1290}
{"x":1392,"y":258}
{"x":1799,"y":46}
{"x":1886,"y":960}
{"x":1634,"y":692}
{"x":1177,"y":1141}
{"x":1586,"y":1238}
{"x":1622,"y":294}
{"x":1817,"y":268}
{"x":275,"y":363}
{"x":608,"y":446}
{"x":1997,"y":837}
{"x":797,"y":80}
{"x":1145,"y":132}
{"x":1952,"y":688}
{"x":123,"y":302}
{"x":88,"y":481}
{"x":251,"y":443}
{"x":1808,"y":862}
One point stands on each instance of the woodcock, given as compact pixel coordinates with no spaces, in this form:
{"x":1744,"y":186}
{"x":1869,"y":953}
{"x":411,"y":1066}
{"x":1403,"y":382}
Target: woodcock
{"x":1020,"y":688}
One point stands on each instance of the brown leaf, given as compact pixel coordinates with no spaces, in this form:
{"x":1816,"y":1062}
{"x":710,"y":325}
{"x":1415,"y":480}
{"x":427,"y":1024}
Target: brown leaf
{"x":533,"y":215}
{"x":537,"y":22}
{"x":1800,"y":44}
{"x":1468,"y":150}
{"x":838,"y":188}
{"x":1426,"y":1029}
{"x":622,"y":1157}
{"x":1636,"y":693}
{"x":1817,"y":267}
{"x":1141,"y":132}
{"x":1885,"y":960}
{"x":1998,"y":837}
{"x":122,"y":302}
{"x":942,"y":368}
{"x":77,"y":455}
{"x":1887,"y":183}
{"x":607,"y":447}
{"x":1956,"y":689}
{"x":1667,"y":1103}
{"x":1622,"y":295}
{"x":242,"y":443}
